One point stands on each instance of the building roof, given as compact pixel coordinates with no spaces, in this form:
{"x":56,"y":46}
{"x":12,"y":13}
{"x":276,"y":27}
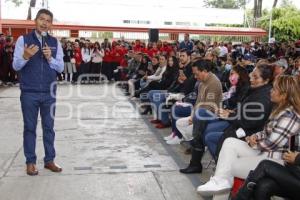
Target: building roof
{"x":29,"y":24}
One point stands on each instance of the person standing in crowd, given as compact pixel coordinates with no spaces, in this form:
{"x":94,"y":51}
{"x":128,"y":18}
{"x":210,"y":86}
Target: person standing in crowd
{"x":107,"y":61}
{"x":8,"y":73}
{"x":186,"y":43}
{"x":223,"y":50}
{"x":78,"y":59}
{"x":38,"y":58}
{"x":86,"y":53}
{"x":2,"y":43}
{"x":97,"y":58}
{"x":70,"y":67}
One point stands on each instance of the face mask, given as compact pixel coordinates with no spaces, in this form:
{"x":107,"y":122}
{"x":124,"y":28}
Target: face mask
{"x":228,"y":67}
{"x":234,"y":79}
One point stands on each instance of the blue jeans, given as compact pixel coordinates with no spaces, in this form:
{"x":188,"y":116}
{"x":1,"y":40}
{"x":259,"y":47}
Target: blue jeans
{"x":178,"y":112}
{"x":158,"y":98}
{"x":214,"y":128}
{"x":211,"y":141}
{"x":143,"y":83}
{"x":32,"y":104}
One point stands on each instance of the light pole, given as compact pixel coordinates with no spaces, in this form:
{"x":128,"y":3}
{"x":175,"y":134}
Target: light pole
{"x":246,"y":22}
{"x":270,"y":25}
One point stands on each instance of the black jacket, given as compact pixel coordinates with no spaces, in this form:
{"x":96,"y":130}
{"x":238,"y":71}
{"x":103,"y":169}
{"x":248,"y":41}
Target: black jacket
{"x":254,"y":111}
{"x":169,"y":77}
{"x":245,"y":118}
{"x":188,"y":85}
{"x":239,"y":95}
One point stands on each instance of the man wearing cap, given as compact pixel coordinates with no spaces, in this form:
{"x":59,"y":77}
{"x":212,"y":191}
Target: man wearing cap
{"x":280,"y":67}
{"x":37,"y":58}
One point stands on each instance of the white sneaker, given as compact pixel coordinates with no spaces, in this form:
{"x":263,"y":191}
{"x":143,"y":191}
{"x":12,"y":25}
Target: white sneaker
{"x":171,"y":136}
{"x":133,"y":98}
{"x":215,"y":185}
{"x":175,"y":140}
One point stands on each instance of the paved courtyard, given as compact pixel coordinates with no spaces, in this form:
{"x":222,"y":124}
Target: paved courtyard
{"x":107,"y":151}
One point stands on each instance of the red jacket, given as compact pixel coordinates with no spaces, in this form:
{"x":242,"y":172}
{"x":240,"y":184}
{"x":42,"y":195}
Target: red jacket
{"x":152,"y":52}
{"x":77,"y":56}
{"x":166,"y":49}
{"x":107,"y":56}
{"x":118,"y":54}
{"x":137,"y":48}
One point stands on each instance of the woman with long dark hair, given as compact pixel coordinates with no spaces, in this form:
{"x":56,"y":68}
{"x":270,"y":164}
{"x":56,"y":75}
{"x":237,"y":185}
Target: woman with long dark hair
{"x":97,"y":58}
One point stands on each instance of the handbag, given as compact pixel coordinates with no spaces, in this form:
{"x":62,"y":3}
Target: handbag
{"x":73,"y":61}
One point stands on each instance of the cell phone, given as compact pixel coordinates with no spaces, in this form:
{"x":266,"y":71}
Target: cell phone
{"x":292,"y":143}
{"x":285,"y":151}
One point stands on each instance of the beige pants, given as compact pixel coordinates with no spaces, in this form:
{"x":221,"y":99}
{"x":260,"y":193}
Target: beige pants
{"x":185,"y":128}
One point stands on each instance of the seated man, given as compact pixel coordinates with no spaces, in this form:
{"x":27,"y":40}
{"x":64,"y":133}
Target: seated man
{"x":209,"y":98}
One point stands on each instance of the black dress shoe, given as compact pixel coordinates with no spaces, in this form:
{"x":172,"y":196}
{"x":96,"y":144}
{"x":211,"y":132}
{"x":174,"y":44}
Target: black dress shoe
{"x":147,"y":110}
{"x":191,"y":170}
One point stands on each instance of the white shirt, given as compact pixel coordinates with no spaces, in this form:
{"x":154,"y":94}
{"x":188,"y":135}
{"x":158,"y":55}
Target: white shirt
{"x":86,"y":54}
{"x":223,"y":51}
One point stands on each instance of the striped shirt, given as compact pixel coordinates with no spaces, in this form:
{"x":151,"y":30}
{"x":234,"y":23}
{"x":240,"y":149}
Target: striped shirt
{"x":275,"y":137}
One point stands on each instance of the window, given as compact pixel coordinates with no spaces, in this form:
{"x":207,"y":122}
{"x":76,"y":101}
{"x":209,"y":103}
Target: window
{"x":168,"y":23}
{"x":183,"y":23}
{"x":136,"y":22}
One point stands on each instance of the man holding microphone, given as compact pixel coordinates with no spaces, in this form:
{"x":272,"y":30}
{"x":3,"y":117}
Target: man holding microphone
{"x":37,"y":58}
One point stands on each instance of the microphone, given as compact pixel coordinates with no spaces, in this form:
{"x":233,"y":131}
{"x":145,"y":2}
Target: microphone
{"x":44,"y":35}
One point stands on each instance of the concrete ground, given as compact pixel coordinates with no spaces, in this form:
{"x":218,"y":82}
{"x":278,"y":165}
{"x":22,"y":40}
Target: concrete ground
{"x":107,"y":151}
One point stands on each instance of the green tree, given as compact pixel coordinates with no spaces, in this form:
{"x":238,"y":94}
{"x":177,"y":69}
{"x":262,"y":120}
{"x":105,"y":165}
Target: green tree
{"x":225,"y":3}
{"x":285,"y":23}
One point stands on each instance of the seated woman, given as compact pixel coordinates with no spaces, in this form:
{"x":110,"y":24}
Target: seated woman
{"x":238,"y":157}
{"x":168,"y":78}
{"x":252,"y":113}
{"x":272,"y":179}
{"x":158,"y":97}
{"x":156,"y":77}
{"x":139,"y":72}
